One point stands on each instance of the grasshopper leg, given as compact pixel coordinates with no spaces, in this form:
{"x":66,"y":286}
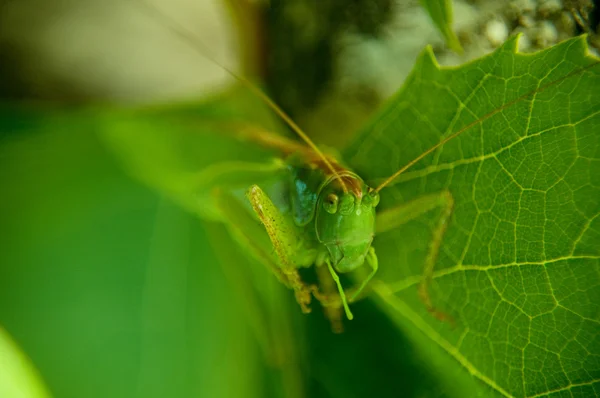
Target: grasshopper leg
{"x":247,"y":232}
{"x":374,"y":264}
{"x":335,"y":296}
{"x":286,"y":242}
{"x":397,"y":216}
{"x":329,"y":299}
{"x":336,"y":278}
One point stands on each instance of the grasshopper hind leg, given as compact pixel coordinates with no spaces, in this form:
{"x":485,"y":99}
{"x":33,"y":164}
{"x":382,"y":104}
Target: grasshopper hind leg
{"x":399,"y":215}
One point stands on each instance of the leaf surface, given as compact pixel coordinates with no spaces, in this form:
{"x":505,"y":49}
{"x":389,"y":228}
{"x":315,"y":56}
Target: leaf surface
{"x":110,"y":288}
{"x":519,"y":266}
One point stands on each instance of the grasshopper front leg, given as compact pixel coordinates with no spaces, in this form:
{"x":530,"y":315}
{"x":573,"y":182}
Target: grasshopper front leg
{"x":397,"y":216}
{"x":243,"y":227}
{"x":286,"y":242}
{"x":329,"y":299}
{"x":333,"y":297}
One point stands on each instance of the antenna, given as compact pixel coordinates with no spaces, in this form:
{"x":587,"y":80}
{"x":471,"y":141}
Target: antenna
{"x":391,"y":178}
{"x":194,"y":42}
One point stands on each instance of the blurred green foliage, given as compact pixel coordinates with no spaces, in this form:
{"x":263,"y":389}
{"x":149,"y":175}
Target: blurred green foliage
{"x":440,"y":12}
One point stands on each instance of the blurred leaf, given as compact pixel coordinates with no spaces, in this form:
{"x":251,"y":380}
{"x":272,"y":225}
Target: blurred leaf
{"x":171,"y":149}
{"x":519,"y":268}
{"x":110,"y":288}
{"x":18,"y":378}
{"x":440,"y":12}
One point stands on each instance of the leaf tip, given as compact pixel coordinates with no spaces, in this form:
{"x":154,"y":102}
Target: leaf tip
{"x":427,"y":58}
{"x":512,"y":43}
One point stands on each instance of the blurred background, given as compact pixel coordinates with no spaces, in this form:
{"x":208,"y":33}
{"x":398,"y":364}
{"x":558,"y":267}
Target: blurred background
{"x":112,"y":289}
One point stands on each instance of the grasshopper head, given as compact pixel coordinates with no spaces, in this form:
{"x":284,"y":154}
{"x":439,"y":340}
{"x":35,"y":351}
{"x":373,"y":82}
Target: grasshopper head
{"x":345,"y":223}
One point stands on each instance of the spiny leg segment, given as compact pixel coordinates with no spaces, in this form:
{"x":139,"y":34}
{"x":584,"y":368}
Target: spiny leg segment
{"x":397,"y":216}
{"x":285,"y":242}
{"x":247,"y":232}
{"x":447,"y":203}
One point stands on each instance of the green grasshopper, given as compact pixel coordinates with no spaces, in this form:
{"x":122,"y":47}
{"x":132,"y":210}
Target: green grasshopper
{"x":318,"y":213}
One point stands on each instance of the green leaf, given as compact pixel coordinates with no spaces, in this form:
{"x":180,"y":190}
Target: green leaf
{"x":440,"y":12}
{"x":18,"y":377}
{"x":108,"y":286}
{"x":519,"y":267}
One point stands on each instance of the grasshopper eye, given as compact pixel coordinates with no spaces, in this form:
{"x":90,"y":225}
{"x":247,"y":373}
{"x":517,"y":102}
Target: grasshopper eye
{"x":331,"y":203}
{"x":374,"y":195}
{"x":347,"y":204}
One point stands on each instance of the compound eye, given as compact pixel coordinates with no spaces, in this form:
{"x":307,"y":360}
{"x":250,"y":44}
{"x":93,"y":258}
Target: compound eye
{"x":347,"y":204}
{"x":374,"y":198}
{"x":331,"y":203}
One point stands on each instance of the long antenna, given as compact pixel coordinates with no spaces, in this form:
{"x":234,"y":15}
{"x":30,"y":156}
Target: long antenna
{"x":480,"y":120}
{"x":194,"y":42}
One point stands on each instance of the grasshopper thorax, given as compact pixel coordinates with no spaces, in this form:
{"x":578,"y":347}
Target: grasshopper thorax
{"x":345,"y":221}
